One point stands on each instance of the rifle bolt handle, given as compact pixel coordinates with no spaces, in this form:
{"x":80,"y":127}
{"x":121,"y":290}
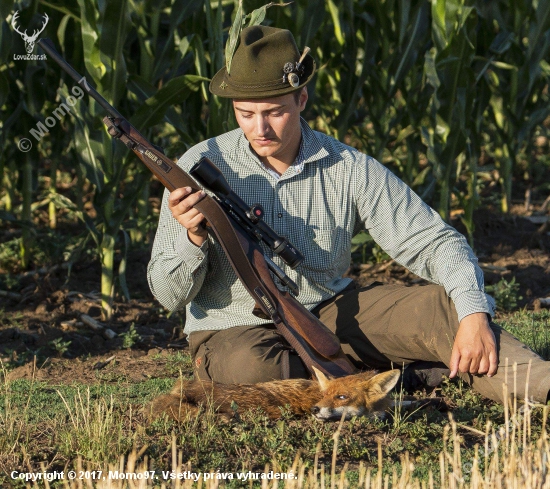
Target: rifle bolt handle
{"x":114,"y":132}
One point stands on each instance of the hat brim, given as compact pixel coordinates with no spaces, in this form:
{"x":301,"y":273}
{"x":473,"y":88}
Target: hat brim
{"x":230,"y":91}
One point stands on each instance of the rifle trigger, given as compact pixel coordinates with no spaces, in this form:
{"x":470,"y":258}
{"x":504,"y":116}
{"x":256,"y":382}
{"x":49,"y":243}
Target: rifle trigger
{"x":259,"y":313}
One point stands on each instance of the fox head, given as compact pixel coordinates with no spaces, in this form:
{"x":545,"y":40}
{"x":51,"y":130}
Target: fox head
{"x":355,"y":395}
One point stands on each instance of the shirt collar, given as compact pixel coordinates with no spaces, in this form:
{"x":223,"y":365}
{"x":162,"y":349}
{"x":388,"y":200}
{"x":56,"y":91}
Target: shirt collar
{"x":311,"y":148}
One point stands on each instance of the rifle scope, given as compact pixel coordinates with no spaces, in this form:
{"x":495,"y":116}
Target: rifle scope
{"x":210,"y":177}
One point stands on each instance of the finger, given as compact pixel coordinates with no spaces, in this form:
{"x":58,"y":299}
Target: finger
{"x":180,"y":210}
{"x":474,"y":365}
{"x":464,"y":365}
{"x":483,"y":365}
{"x":195,"y":197}
{"x":189,"y":202}
{"x":195,"y":222}
{"x":191,"y":214}
{"x":177,"y":195}
{"x":493,"y":362}
{"x":186,"y":205}
{"x":453,"y":364}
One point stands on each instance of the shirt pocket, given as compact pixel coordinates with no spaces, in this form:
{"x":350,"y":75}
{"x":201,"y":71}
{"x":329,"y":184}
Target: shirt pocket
{"x":322,"y":250}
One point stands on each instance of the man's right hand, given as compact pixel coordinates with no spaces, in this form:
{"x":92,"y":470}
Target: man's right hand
{"x":181,"y":203}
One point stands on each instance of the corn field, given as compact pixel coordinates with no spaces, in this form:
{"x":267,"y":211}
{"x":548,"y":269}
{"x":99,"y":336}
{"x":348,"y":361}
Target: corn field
{"x":452,"y":95}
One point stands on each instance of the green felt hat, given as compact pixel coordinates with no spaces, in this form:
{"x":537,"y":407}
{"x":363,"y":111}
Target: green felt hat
{"x":265,"y":64}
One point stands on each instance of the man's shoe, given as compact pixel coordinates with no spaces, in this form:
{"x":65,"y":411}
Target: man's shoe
{"x":422,"y":374}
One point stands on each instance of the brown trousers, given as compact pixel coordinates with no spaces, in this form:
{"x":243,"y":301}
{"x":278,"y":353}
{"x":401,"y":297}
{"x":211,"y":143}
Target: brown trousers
{"x":380,"y":327}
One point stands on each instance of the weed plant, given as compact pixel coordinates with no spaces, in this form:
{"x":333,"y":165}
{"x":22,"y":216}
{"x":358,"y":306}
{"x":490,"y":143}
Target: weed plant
{"x":130,"y":337}
{"x":505,"y":293}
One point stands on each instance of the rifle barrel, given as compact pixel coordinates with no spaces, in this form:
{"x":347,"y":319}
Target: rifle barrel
{"x":48,"y":46}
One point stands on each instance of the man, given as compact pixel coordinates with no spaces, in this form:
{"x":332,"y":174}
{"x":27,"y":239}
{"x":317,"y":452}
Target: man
{"x":318,"y":193}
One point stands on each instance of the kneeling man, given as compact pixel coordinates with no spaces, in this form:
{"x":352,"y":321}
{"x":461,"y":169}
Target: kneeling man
{"x":319,"y":192}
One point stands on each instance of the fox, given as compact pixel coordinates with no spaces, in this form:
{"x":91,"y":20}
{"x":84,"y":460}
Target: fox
{"x":326,"y":398}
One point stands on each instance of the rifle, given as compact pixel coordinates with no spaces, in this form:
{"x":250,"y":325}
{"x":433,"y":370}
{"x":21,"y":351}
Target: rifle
{"x":239,"y":229}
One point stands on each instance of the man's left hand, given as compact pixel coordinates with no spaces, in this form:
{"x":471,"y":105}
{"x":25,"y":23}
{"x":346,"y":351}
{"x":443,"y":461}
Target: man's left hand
{"x":474,"y":349}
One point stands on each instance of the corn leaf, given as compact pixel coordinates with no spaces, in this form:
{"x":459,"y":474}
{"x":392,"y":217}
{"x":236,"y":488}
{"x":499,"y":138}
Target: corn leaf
{"x":114,"y":30}
{"x":234,"y":34}
{"x":90,"y":36}
{"x":174,"y":92}
{"x":256,"y":17}
{"x":333,"y":10}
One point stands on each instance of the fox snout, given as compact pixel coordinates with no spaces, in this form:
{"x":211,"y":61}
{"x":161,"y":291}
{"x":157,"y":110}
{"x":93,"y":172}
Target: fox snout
{"x":325,"y":413}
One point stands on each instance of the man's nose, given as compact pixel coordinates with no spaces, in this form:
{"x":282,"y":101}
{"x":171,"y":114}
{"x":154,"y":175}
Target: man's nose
{"x":262,"y":126}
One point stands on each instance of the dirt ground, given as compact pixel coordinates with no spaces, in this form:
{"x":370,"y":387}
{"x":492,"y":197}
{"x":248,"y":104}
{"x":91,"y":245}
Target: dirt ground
{"x":50,"y":308}
{"x":506,"y":247}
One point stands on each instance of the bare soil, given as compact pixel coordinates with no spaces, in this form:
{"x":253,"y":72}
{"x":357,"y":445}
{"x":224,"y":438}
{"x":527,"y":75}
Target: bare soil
{"x":50,"y":306}
{"x":51,"y":309}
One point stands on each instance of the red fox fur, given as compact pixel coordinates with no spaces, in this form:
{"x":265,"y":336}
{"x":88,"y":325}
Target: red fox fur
{"x":326,"y":398}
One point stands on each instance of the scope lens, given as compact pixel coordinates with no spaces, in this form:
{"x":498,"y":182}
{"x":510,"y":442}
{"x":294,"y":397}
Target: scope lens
{"x":291,"y":256}
{"x":210,"y":176}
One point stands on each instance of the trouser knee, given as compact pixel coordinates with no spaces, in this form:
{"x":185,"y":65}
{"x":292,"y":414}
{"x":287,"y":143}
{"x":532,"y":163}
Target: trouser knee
{"x":244,"y":355}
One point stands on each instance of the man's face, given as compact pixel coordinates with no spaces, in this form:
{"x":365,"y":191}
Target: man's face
{"x":272,"y":125}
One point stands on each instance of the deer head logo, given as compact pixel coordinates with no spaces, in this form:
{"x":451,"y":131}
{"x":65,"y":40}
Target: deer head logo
{"x":29,"y":40}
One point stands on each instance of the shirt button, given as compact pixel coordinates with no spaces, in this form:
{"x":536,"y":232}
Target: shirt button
{"x":199,"y":257}
{"x":280,"y":214}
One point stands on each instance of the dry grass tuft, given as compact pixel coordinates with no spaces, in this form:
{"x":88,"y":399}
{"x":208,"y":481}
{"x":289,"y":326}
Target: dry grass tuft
{"x":505,"y":459}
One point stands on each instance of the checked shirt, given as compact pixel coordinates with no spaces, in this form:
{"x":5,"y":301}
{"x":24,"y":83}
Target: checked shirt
{"x":330,"y":193}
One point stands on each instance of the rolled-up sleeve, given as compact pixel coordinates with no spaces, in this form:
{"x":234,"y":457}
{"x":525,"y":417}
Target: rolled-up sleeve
{"x":415,"y":236}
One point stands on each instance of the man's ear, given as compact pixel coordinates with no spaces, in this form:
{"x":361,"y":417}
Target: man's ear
{"x":321,"y":378}
{"x":380,"y":385}
{"x":303,"y":98}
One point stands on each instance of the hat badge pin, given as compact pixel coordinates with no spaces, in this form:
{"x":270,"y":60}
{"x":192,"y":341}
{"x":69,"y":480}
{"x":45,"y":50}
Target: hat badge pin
{"x":289,"y":75}
{"x":293,"y":79}
{"x":291,"y":70}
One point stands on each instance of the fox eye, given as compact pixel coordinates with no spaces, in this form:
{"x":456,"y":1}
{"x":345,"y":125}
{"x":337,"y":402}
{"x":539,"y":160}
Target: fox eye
{"x":341,"y":397}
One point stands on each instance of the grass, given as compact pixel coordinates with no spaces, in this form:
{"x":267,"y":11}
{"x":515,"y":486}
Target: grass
{"x":533,"y":329}
{"x":62,"y":426}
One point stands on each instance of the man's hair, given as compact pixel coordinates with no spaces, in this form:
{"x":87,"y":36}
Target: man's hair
{"x":296,"y":94}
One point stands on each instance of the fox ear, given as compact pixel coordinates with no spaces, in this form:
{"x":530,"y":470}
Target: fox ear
{"x":321,"y":378}
{"x":382,"y":384}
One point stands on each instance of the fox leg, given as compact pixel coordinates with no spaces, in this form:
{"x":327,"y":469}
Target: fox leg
{"x":178,"y":387}
{"x":415,"y":404}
